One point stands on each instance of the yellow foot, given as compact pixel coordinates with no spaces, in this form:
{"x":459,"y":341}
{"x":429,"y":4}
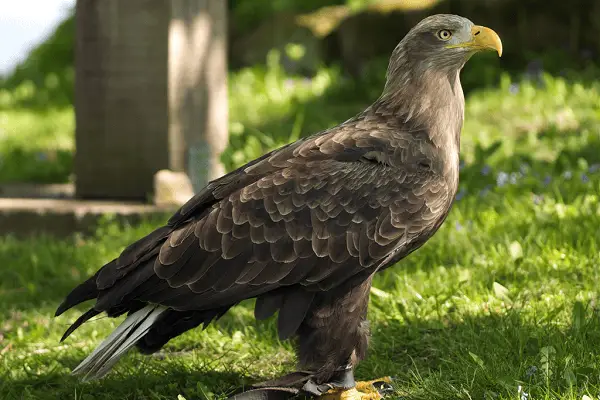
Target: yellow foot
{"x":367,"y":386}
{"x":350,"y":394}
{"x":362,"y":391}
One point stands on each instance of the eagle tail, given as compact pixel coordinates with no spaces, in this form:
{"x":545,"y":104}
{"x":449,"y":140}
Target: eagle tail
{"x":132,"y":329}
{"x":86,"y":291}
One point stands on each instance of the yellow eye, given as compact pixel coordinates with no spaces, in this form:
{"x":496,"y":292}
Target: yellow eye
{"x":444,"y":34}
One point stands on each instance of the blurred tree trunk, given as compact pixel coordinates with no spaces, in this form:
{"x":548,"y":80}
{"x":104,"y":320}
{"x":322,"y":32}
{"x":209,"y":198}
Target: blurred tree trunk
{"x":198,"y":87}
{"x":150,"y":84}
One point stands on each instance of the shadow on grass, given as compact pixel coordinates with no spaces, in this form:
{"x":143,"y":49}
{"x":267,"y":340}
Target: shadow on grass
{"x":475,"y":357}
{"x":41,"y":270}
{"x":451,"y":357}
{"x":146,"y":380}
{"x":443,"y":355}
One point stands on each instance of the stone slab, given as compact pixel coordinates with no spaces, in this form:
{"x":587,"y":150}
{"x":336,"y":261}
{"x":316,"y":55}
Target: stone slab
{"x":37,"y":191}
{"x":62,"y":217}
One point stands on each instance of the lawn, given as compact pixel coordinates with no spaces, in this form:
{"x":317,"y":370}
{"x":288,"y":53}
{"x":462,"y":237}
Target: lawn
{"x":501,"y":304}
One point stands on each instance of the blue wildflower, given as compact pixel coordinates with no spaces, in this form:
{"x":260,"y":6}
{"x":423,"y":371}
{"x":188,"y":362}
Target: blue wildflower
{"x":531,"y":371}
{"x":501,"y":179}
{"x":593,"y":168}
{"x":585,"y":178}
{"x":461,"y":193}
{"x":458,"y":226}
{"x":514,"y":88}
{"x":486,"y":170}
{"x":41,"y":156}
{"x":567,"y":175}
{"x":524,"y":168}
{"x":547,"y":180}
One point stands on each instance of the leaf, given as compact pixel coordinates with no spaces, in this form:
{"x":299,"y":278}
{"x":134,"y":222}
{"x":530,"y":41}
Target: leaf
{"x":295,"y":51}
{"x":180,"y":397}
{"x":477,"y":360}
{"x":568,"y":374}
{"x":578,"y":316}
{"x":546,"y":356}
{"x":501,"y":292}
{"x":380,"y":293}
{"x":515,"y":250}
{"x":489,"y":151}
{"x":297,"y":128}
{"x":569,"y":377}
{"x":553,"y":313}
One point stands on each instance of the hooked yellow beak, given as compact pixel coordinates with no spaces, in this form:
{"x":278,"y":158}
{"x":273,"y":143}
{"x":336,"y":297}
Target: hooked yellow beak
{"x":483,"y":38}
{"x":486,"y":39}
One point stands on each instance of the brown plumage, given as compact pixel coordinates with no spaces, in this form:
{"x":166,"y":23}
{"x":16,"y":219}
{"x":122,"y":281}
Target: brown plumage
{"x":304,"y":228}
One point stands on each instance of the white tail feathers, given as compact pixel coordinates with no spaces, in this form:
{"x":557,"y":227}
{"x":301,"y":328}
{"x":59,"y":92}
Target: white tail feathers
{"x":97,"y":364}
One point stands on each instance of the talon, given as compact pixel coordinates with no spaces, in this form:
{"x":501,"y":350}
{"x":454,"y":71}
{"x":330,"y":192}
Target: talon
{"x":368,"y":386}
{"x":350,"y":394}
{"x":364,"y":390}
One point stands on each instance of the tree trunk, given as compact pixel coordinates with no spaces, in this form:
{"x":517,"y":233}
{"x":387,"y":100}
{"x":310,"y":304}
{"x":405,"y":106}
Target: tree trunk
{"x":150,"y":93}
{"x":198,"y":87}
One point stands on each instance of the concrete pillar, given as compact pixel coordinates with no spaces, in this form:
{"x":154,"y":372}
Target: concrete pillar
{"x":150,"y":93}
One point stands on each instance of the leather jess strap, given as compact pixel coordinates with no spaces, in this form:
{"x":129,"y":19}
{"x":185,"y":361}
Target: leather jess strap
{"x":268,"y":393}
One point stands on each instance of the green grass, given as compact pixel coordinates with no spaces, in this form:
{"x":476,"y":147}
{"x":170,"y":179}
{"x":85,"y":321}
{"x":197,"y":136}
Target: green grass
{"x":504,"y":296}
{"x":36,"y":146}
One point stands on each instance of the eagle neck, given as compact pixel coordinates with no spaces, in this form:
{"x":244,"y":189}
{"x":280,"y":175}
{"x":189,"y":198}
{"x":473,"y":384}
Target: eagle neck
{"x":429,"y":100}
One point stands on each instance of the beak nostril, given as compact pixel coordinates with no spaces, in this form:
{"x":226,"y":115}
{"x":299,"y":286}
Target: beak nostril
{"x":477,"y":33}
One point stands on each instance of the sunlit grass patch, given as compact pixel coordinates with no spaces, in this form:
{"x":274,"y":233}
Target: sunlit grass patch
{"x":501,"y":304}
{"x":504,"y":296}
{"x":36,"y":146}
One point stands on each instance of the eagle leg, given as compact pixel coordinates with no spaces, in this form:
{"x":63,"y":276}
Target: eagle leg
{"x":333,"y":338}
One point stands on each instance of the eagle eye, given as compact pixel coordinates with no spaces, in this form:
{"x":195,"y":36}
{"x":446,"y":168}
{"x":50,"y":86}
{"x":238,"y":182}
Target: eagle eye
{"x":444,"y":34}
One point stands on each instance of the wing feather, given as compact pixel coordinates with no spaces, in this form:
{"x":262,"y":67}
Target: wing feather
{"x":296,"y":221}
{"x":296,"y":304}
{"x":267,"y":305}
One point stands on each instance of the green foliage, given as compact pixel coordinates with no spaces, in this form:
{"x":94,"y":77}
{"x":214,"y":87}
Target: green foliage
{"x":263,"y":95}
{"x":248,"y":14}
{"x":269,"y":108}
{"x":36,"y":146}
{"x":45,"y":78}
{"x":500,"y":304}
